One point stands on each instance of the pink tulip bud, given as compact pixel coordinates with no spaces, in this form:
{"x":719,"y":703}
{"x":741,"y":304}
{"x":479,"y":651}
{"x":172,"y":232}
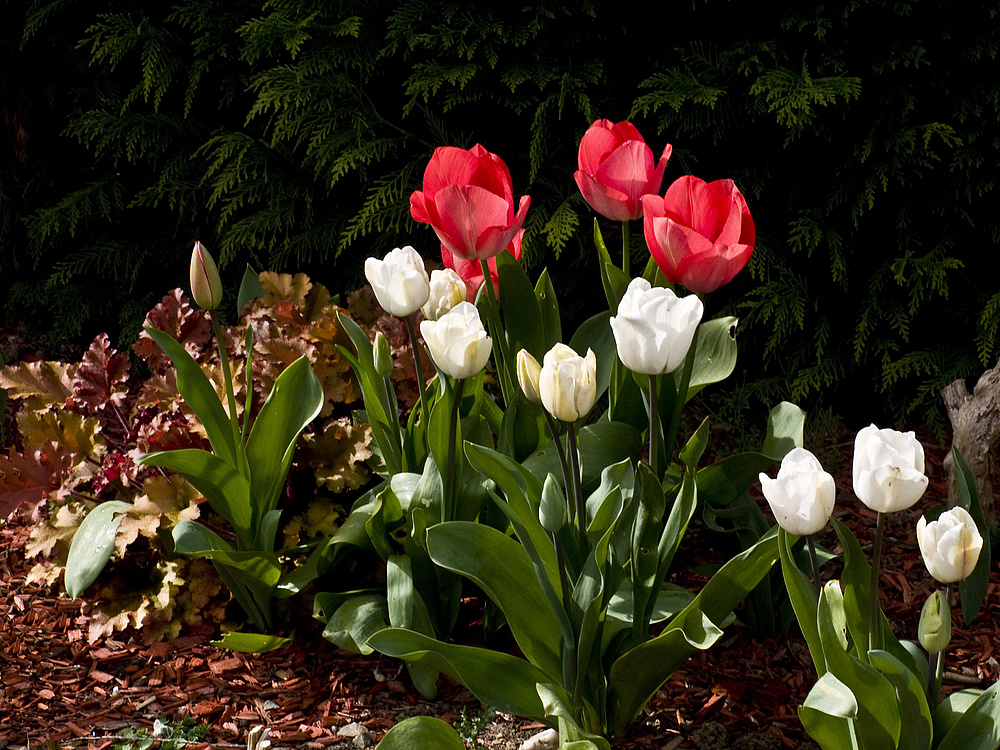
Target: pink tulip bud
{"x":468,"y":200}
{"x":206,"y":286}
{"x":617,"y":169}
{"x":700,"y":233}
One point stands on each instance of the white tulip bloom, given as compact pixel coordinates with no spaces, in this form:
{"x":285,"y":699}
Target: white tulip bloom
{"x":567,"y":383}
{"x":528,"y":372}
{"x":654,"y":327}
{"x":457,"y":341}
{"x":888,"y":469}
{"x":399,"y":280}
{"x":447,"y":290}
{"x":950,"y":545}
{"x":802,"y":495}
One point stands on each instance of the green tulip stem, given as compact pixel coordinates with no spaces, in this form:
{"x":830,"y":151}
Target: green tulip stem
{"x":874,"y":641}
{"x":227,"y":376}
{"x":815,"y":565}
{"x":449,"y":487}
{"x":654,"y":426}
{"x":579,"y":508}
{"x":626,"y":255}
{"x":507,"y":379}
{"x":670,"y":436}
{"x":936,"y":666}
{"x":569,"y":655}
{"x":412,"y":331}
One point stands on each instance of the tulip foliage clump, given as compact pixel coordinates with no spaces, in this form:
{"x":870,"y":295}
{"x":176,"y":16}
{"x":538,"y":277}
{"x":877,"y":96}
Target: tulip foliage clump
{"x":82,"y":428}
{"x":565,"y":491}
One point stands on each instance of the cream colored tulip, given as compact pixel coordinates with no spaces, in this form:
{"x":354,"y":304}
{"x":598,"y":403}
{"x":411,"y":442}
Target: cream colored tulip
{"x":567,"y":383}
{"x":457,"y":341}
{"x":802,"y":495}
{"x":399,"y":280}
{"x":888,"y":469}
{"x":950,"y":545}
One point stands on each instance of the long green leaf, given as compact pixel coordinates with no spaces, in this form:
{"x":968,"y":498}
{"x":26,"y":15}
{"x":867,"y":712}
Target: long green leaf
{"x":915,"y":729}
{"x":802,"y":594}
{"x":503,"y":570}
{"x":595,"y":333}
{"x":295,"y":400}
{"x":715,"y":357}
{"x":251,"y":643}
{"x":979,"y":726}
{"x":199,"y":394}
{"x":92,"y":545}
{"x":500,"y":680}
{"x":519,"y":308}
{"x":227,"y":491}
{"x":638,"y":674}
{"x":548,"y":307}
{"x":973,"y":589}
{"x":829,"y":714}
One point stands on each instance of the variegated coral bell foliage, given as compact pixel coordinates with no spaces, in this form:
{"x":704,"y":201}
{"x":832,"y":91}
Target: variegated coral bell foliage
{"x":80,"y":427}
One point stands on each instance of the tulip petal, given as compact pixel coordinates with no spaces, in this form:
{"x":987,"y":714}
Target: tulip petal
{"x":607,"y":201}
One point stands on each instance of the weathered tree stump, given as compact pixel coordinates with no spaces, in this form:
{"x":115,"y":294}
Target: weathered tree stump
{"x":975,"y":422}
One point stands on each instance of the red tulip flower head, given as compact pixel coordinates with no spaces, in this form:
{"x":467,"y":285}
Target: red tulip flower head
{"x":700,"y":233}
{"x":472,"y":272}
{"x":616,"y":169}
{"x":468,"y":200}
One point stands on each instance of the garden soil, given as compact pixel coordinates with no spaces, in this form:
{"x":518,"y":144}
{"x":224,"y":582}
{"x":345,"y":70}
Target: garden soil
{"x":57,"y":690}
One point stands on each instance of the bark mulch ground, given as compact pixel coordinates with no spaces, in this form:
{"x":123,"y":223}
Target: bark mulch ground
{"x":59,"y":691}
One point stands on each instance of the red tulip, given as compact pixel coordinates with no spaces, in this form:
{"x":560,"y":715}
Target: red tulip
{"x":616,"y":169}
{"x":468,"y":200}
{"x":472,"y":272}
{"x":700,"y":233}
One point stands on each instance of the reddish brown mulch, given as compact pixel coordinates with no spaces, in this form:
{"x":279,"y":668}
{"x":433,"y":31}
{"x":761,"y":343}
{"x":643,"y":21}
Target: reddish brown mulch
{"x":56,"y":688}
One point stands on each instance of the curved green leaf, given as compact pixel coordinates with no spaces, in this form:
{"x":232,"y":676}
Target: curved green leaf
{"x":92,"y":545}
{"x":500,"y":680}
{"x":251,"y":643}
{"x":915,"y":729}
{"x":829,"y":714}
{"x":421,"y":732}
{"x":595,"y":333}
{"x":503,"y":570}
{"x":715,"y":356}
{"x":199,"y":394}
{"x":519,"y":306}
{"x":979,"y":727}
{"x":295,"y":400}
{"x":351,"y":617}
{"x":548,"y":307}
{"x":802,"y":594}
{"x":973,"y":589}
{"x":226,"y":490}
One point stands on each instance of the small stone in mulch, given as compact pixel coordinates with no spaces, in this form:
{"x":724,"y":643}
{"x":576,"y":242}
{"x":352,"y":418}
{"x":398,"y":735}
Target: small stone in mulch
{"x":711,"y":736}
{"x":360,"y":734}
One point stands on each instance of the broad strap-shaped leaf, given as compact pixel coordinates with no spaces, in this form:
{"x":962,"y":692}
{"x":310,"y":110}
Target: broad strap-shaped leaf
{"x":916,"y":730}
{"x":260,"y":569}
{"x":251,"y":643}
{"x":519,"y":307}
{"x":638,"y":674}
{"x":295,"y":400}
{"x":227,"y":491}
{"x":614,"y":279}
{"x":973,"y":588}
{"x":197,"y":390}
{"x":421,"y":732}
{"x":571,"y":735}
{"x":595,"y":333}
{"x":548,"y":307}
{"x":501,"y":568}
{"x":829,"y":714}
{"x":878,"y":722}
{"x":802,"y":594}
{"x":351,"y":617}
{"x":602,"y":444}
{"x":979,"y":727}
{"x":715,"y":355}
{"x":500,"y":680}
{"x":92,"y":545}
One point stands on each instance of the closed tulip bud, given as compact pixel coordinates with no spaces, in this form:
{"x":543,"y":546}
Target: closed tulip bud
{"x":447,"y":290}
{"x":950,"y":545}
{"x":399,"y":281}
{"x":567,"y":383}
{"x":654,"y":327}
{"x":457,"y":341}
{"x":206,"y":286}
{"x":888,"y":469}
{"x":528,"y":371}
{"x":934,"y":628}
{"x":802,"y":495}
{"x":552,"y":510}
{"x":382,"y":355}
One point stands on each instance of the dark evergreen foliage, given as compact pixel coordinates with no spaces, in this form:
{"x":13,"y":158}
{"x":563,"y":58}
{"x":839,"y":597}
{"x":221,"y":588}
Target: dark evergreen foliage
{"x":290,"y":134}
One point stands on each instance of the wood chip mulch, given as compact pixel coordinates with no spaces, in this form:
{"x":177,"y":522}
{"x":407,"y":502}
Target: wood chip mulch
{"x":59,"y":691}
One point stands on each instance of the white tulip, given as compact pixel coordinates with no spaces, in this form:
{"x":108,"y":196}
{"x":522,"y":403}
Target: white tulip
{"x":399,"y":280}
{"x":888,"y":469}
{"x":567,"y":383}
{"x":457,"y":341}
{"x":654,"y":327}
{"x":802,"y":495}
{"x":528,"y":372}
{"x":447,"y":290}
{"x":950,"y":545}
